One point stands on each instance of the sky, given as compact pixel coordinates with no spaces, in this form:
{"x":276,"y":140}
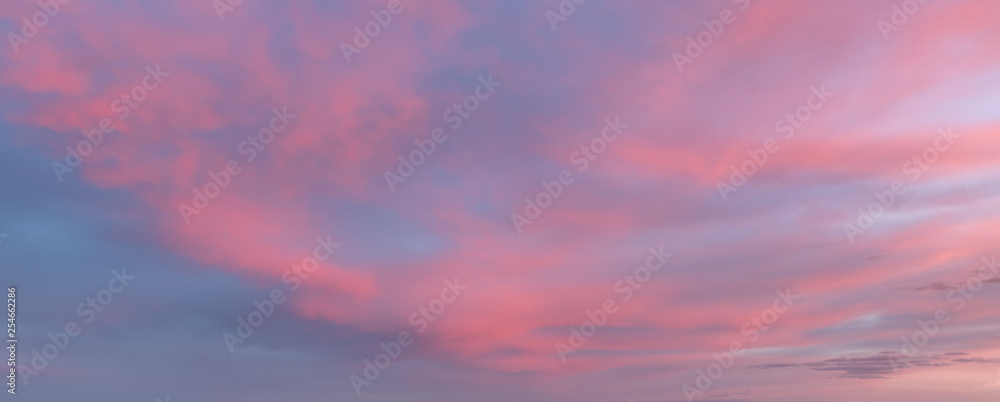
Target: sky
{"x":224,"y":200}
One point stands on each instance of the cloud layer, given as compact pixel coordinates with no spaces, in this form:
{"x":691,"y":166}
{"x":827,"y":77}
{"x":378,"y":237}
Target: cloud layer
{"x":802,"y":148}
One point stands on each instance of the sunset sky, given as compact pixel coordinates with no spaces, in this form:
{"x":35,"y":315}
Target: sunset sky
{"x":472,"y":188}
